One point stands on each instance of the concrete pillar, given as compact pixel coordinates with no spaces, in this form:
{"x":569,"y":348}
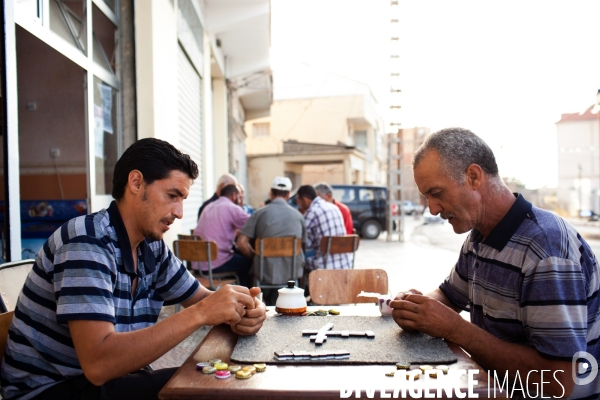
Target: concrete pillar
{"x":207,"y":119}
{"x":221,"y":127}
{"x":156,"y":49}
{"x":156,"y":70}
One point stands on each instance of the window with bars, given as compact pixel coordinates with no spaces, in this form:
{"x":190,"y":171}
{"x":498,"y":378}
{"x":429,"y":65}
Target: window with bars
{"x":261,"y":129}
{"x":360,"y":140}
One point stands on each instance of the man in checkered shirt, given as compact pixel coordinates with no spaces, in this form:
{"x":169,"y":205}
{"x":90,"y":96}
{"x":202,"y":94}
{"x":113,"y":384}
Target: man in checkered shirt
{"x":322,"y":219}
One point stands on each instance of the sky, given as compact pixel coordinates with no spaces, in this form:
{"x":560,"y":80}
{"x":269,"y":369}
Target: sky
{"x":504,"y":69}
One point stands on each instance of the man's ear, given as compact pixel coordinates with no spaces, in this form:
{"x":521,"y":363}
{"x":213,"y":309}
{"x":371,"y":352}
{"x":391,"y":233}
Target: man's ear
{"x":135,"y":182}
{"x":474,"y":176}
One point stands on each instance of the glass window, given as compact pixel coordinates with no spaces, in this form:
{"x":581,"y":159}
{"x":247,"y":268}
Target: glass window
{"x":105,"y":135}
{"x":66,"y":20}
{"x":105,"y":36}
{"x":366,"y":194}
{"x":344,"y":195}
{"x":360,"y":139}
{"x":111,"y":4}
{"x":261,"y":130}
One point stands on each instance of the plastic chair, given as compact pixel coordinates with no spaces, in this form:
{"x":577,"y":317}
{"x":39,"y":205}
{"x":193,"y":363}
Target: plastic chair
{"x":198,"y":250}
{"x":341,"y":286}
{"x":289,"y":246}
{"x":12,"y":279}
{"x":338,"y":245}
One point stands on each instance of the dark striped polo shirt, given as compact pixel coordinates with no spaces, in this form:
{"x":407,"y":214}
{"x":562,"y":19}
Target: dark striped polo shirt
{"x":84,"y":272}
{"x":532,"y":281}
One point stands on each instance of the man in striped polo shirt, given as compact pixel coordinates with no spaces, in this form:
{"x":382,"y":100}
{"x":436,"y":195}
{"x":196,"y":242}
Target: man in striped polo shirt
{"x":85,"y":323}
{"x":528,"y":279}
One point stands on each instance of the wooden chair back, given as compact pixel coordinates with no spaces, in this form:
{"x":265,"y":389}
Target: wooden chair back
{"x":181,"y":236}
{"x":5,"y":320}
{"x":278,"y":247}
{"x":289,"y":246}
{"x":12,"y":279}
{"x":203,"y":251}
{"x":338,"y":245}
{"x":195,"y":250}
{"x":341,"y":286}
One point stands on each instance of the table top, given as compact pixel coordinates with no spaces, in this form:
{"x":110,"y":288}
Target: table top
{"x":311,"y":381}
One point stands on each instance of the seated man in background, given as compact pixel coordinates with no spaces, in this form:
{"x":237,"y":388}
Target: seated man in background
{"x":220,"y":223}
{"x":85,"y":323}
{"x":277,"y":219}
{"x":224,"y":180}
{"x":242,"y":200}
{"x":321,"y":219}
{"x":325,"y":192}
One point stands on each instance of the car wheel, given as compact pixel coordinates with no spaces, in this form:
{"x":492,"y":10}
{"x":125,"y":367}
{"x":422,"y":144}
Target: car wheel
{"x":371,"y":229}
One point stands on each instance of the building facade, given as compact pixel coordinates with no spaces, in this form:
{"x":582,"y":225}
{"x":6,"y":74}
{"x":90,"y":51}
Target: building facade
{"x":578,"y":136}
{"x":412,"y":139}
{"x":83,"y":79}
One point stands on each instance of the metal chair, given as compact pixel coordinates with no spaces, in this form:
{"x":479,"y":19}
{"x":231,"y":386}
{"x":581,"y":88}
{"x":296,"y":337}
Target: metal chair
{"x":338,"y":245}
{"x":341,"y":286}
{"x":12,"y":279}
{"x":198,"y":250}
{"x":289,"y":246}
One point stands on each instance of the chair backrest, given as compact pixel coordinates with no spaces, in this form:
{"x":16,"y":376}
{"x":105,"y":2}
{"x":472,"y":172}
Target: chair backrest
{"x":195,"y":250}
{"x":277,"y":247}
{"x":289,"y":246}
{"x":5,"y":320}
{"x":341,"y":286}
{"x":12,"y":279}
{"x":339,"y":244}
{"x":188,"y":237}
{"x":199,"y":250}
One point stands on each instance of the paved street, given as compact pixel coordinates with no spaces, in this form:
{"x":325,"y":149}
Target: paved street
{"x":421,"y":262}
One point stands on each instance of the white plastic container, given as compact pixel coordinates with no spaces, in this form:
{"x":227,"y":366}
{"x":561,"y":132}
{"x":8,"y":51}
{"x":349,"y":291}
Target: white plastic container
{"x":290,"y":300}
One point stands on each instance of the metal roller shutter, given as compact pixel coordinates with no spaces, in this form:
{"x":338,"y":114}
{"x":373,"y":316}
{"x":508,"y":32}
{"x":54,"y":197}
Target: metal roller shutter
{"x":190,"y":132}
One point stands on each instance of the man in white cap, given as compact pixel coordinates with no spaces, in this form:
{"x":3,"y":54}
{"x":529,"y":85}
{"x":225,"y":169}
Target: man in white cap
{"x":277,"y":219}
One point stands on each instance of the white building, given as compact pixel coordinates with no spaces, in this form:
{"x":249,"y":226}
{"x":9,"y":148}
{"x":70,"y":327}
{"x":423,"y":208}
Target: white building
{"x":178,"y":70}
{"x":322,"y":127}
{"x":579,"y":160}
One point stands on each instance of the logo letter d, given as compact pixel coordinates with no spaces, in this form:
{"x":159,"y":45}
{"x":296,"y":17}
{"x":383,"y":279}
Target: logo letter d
{"x":593,"y":363}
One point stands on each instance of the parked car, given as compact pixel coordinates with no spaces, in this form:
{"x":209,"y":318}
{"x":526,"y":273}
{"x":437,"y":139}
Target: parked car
{"x":367,"y":205}
{"x":429,"y":218}
{"x":411,"y":208}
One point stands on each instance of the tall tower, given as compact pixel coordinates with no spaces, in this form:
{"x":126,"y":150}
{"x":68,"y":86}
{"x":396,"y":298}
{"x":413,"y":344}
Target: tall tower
{"x":395,"y":212}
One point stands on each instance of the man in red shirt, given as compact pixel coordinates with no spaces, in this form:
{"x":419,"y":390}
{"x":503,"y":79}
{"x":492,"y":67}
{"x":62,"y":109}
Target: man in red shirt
{"x":325,"y":192}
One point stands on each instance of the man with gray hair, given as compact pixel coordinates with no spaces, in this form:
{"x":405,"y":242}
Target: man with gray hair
{"x":528,"y":279}
{"x":325,"y":191}
{"x":224,"y":180}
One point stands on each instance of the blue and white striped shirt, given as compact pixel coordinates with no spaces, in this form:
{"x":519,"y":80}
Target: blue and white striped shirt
{"x":532,"y":281}
{"x":84,"y":271}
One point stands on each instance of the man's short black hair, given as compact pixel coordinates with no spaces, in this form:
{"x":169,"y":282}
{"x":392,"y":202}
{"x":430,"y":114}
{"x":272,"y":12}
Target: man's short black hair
{"x":307,"y":192}
{"x":229,"y":190}
{"x":279,"y":193}
{"x":155,"y":159}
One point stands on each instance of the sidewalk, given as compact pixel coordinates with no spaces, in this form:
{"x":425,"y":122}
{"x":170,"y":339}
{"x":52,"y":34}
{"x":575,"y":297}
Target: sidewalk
{"x":590,"y":230}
